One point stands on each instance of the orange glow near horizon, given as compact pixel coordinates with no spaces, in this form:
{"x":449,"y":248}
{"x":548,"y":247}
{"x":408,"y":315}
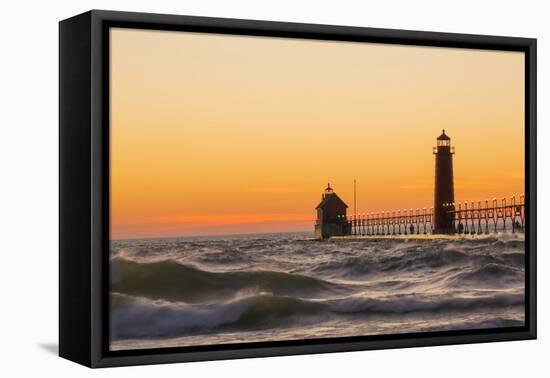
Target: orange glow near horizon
{"x":218,"y":134}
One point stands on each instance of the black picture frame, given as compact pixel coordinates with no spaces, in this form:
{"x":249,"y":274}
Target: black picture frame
{"x":84,"y":187}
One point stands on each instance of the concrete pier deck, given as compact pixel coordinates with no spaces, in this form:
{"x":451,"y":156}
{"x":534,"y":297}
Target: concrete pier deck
{"x":422,"y":237}
{"x":405,"y":238}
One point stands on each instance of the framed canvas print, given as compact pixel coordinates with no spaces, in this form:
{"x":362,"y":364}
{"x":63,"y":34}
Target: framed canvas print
{"x":234,"y":188}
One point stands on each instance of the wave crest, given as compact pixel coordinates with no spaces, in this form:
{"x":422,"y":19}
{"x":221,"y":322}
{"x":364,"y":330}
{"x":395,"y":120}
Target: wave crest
{"x":170,"y":280}
{"x":134,"y":317}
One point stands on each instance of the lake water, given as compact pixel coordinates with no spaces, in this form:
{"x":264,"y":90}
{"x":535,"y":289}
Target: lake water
{"x":269,"y":287}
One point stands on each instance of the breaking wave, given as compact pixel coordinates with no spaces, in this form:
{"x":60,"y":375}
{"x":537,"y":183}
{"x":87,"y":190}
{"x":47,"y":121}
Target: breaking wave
{"x":170,"y":280}
{"x":138,"y":317}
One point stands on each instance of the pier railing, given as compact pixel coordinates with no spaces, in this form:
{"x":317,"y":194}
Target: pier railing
{"x":483,"y":217}
{"x":469,"y":217}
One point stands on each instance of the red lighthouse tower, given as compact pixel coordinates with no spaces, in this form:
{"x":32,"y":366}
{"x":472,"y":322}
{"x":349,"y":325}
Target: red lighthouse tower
{"x":444,"y":197}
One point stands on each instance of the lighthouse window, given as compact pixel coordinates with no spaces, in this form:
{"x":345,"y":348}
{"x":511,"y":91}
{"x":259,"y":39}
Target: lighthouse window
{"x":444,"y":143}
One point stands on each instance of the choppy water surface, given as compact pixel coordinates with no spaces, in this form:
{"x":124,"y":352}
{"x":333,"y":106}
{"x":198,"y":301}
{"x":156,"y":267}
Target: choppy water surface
{"x":233,"y":289}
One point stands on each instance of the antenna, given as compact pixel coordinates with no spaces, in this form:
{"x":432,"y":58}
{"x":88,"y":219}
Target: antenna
{"x":354,"y":197}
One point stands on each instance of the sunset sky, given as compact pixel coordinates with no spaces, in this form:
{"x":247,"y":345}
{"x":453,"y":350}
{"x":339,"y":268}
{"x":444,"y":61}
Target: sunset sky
{"x":216,"y":134}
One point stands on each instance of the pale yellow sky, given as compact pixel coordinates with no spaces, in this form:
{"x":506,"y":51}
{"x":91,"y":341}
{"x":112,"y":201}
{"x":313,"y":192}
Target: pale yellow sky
{"x":214,"y":134}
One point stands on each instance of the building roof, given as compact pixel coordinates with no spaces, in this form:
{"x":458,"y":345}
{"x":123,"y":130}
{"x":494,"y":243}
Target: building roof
{"x":443,"y":136}
{"x":328,"y":198}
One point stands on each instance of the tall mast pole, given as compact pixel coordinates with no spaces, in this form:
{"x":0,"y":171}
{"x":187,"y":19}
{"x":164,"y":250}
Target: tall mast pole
{"x":355,"y":198}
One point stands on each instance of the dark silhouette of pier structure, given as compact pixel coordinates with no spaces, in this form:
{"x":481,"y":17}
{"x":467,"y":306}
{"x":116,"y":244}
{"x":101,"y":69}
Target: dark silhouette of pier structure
{"x":331,"y":216}
{"x":445,"y":217}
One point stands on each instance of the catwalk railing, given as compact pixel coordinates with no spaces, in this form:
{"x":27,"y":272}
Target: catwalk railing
{"x":470,"y":217}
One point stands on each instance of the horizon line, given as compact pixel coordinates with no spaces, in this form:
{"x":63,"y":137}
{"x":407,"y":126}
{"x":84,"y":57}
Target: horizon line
{"x":211,"y":235}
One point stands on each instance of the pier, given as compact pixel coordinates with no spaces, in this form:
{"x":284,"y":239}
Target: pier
{"x":471,"y":217}
{"x":445,"y":217}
